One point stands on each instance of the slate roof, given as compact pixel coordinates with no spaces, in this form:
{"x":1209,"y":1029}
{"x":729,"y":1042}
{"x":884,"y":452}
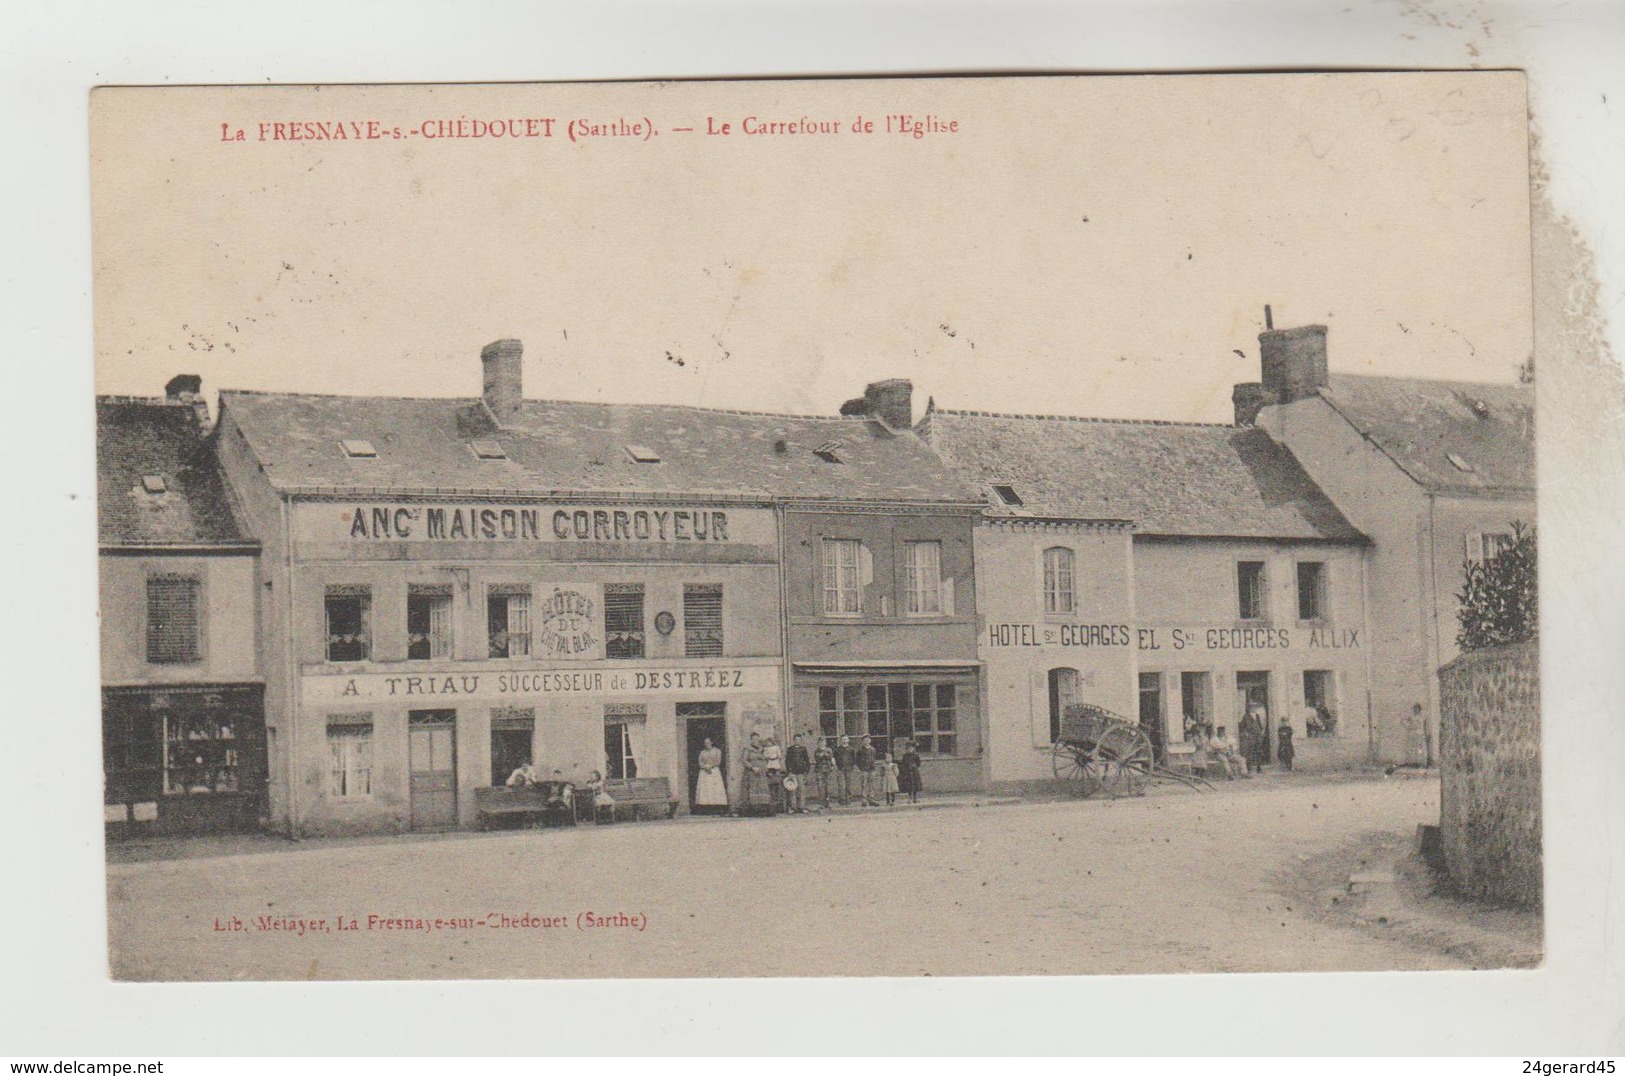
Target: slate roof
{"x":424,"y":445}
{"x":138,"y":438}
{"x":1421,"y":423}
{"x":1167,"y":479}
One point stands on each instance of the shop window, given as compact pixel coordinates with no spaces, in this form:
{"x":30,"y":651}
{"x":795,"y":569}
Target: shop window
{"x":702,"y":620}
{"x":1250,"y":589}
{"x":843,"y":588}
{"x":1059,"y":569}
{"x":1196,"y":701}
{"x":1311,"y":590}
{"x":1318,"y":691}
{"x":1065,"y":689}
{"x":349,"y":623}
{"x":428,"y":622}
{"x":623,"y":620}
{"x":172,"y":618}
{"x":922,"y":578}
{"x":507,"y":621}
{"x":349,"y":758}
{"x":513,"y":734}
{"x":891,"y":713}
{"x":624,"y":728}
{"x":202,"y":753}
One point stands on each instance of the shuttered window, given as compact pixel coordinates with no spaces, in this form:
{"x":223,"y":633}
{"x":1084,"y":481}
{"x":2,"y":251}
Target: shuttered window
{"x":702,"y":620}
{"x":172,"y":618}
{"x":623,"y":620}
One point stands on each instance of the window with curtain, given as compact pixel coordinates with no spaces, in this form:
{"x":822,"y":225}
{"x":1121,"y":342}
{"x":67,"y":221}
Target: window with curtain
{"x":507,"y":612}
{"x":428,"y":622}
{"x":1059,"y":570}
{"x":1250,"y":589}
{"x":349,"y":757}
{"x":349,"y":623}
{"x":922,"y":578}
{"x":623,"y":732}
{"x":843,"y":587}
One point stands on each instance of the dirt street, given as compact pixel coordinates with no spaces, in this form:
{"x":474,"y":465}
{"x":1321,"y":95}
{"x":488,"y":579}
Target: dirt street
{"x":1175,"y":881}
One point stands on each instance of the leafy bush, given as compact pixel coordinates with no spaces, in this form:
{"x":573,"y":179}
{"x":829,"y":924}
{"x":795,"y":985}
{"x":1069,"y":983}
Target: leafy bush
{"x":1498,"y":596}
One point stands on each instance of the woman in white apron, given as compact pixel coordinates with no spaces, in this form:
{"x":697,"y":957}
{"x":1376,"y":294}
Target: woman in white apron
{"x":711,"y":791}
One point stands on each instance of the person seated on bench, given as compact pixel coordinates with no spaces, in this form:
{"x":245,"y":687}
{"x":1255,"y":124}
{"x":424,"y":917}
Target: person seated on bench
{"x":1223,"y":751}
{"x":601,"y":799}
{"x":524,"y":776}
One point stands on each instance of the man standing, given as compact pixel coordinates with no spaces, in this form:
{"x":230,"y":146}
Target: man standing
{"x":865,"y":762}
{"x":798,"y":765}
{"x":843,"y":769}
{"x":824,"y":767}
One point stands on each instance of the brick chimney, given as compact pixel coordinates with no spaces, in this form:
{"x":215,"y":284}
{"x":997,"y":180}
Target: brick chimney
{"x":891,"y":401}
{"x":504,"y":379}
{"x":1249,"y":398}
{"x":1294,"y":362}
{"x":188,"y":389}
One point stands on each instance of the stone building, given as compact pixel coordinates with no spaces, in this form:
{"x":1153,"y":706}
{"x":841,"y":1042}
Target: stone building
{"x":1435,"y":472}
{"x":183,"y":724}
{"x":1172,"y":572}
{"x":455,"y":586}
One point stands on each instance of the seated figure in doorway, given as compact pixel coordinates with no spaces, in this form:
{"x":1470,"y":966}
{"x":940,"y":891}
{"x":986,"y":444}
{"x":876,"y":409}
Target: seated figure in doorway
{"x":1223,"y":751}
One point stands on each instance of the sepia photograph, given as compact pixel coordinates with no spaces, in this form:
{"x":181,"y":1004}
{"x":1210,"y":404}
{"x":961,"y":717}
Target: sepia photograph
{"x":988,"y":526}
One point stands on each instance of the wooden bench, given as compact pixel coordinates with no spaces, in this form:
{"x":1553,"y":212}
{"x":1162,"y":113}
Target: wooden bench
{"x":637,"y":795}
{"x":525,"y":802}
{"x":1186,"y":759}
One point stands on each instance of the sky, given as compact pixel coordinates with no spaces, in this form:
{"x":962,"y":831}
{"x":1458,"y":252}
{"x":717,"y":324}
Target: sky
{"x":1094,"y":246}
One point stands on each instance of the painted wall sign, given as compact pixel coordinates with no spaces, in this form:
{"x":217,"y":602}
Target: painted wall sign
{"x":531,"y":523}
{"x":1006,"y":636}
{"x":1246,"y":638}
{"x":514,"y":685}
{"x":567,"y":624}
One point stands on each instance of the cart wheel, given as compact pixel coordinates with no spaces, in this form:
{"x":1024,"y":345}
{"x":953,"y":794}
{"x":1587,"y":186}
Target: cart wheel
{"x":1074,"y":764}
{"x":1125,"y":760}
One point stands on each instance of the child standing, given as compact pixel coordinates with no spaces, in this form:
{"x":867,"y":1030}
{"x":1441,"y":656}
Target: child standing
{"x":890,"y":766}
{"x":1283,"y":745}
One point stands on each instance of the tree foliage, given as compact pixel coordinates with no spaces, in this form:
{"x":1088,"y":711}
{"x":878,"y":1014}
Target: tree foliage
{"x":1498,"y":596}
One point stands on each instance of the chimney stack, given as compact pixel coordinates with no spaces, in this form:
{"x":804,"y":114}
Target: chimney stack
{"x":1294,"y":362}
{"x":1249,"y":398}
{"x":188,"y":389}
{"x":891,"y":401}
{"x":504,"y":379}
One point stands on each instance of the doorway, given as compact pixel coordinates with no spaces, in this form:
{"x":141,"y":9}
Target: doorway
{"x":433,"y":750}
{"x":1253,"y":692}
{"x":703,"y":721}
{"x":1151,"y":713}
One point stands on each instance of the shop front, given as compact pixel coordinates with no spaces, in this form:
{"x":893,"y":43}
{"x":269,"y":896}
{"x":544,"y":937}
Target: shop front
{"x":407,"y":751}
{"x":183,"y":760}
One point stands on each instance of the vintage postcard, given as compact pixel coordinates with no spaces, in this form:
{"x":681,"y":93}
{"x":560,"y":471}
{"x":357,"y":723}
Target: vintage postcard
{"x":885,"y":527}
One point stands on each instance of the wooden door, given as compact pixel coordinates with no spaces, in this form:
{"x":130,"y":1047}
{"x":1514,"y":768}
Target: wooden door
{"x":433,"y":750}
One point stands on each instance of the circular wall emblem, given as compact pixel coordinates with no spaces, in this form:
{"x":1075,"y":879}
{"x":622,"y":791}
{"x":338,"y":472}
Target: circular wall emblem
{"x":665,"y":623}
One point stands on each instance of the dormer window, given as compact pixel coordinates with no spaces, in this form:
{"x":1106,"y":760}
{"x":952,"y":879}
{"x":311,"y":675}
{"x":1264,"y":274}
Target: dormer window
{"x":488,"y":450}
{"x":1008,"y":495}
{"x":358,"y":449}
{"x":153,"y":483}
{"x":1458,"y":463}
{"x":641,"y":454}
{"x":828,"y":451}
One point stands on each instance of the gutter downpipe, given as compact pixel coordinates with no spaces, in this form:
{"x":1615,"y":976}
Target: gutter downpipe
{"x":781,"y":518}
{"x":291,"y":661}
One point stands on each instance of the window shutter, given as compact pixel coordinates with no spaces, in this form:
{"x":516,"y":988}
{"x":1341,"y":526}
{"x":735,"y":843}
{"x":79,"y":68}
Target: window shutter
{"x":172,"y":618}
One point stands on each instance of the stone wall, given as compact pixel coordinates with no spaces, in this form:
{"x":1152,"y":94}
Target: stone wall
{"x":1489,"y":747}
